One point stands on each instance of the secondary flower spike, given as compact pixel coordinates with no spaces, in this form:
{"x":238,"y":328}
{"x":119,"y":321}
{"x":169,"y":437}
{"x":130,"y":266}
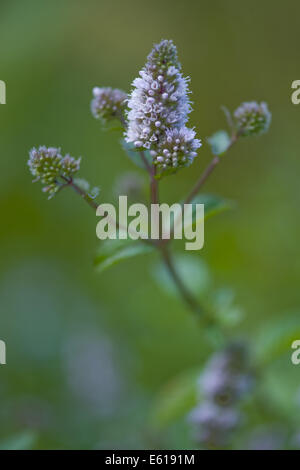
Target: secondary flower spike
{"x":252,"y":118}
{"x":51,"y":168}
{"x":158,"y":110}
{"x":177,"y":149}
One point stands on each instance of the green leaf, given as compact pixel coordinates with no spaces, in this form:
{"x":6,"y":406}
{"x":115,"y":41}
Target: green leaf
{"x":219,"y":142}
{"x":228,"y":117}
{"x":190,"y":268}
{"x":227,"y":312}
{"x":23,"y":441}
{"x":276,"y":339}
{"x":114,"y":251}
{"x":134,"y":154}
{"x":112,"y":125}
{"x":86,"y":187}
{"x":176,"y":399}
{"x":213,"y":205}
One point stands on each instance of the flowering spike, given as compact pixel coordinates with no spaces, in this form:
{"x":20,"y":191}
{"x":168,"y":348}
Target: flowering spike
{"x":178,"y":149}
{"x":51,"y":168}
{"x":159,"y":109}
{"x":224,"y":382}
{"x":108,"y":103}
{"x":252,"y":118}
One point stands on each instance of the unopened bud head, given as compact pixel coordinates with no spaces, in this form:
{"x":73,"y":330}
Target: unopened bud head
{"x":252,"y":118}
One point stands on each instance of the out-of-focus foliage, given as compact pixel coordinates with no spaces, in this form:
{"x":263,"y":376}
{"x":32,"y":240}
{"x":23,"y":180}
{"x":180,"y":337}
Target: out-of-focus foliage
{"x":219,"y":142}
{"x":114,"y":251}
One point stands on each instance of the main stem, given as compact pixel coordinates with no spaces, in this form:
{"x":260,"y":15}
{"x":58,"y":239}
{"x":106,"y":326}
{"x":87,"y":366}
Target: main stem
{"x":151,"y":169}
{"x":153,"y":186}
{"x":167,"y":258}
{"x":187,"y":297}
{"x":91,"y":202}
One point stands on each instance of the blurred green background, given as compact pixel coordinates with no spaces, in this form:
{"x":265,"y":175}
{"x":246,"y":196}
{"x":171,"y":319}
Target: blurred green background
{"x":88,"y":353}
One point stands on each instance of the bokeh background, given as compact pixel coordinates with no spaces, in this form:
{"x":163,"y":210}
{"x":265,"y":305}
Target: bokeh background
{"x":89,"y":354}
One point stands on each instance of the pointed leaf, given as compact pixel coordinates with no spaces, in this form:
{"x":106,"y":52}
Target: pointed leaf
{"x":112,"y":252}
{"x":190,"y":268}
{"x":219,"y":142}
{"x":213,"y":205}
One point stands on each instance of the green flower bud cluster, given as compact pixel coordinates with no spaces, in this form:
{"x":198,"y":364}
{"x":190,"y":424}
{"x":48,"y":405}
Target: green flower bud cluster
{"x":108,"y":103}
{"x":252,"y":118}
{"x":51,"y":168}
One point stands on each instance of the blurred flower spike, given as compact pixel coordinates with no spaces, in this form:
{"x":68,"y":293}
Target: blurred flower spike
{"x":224,"y":382}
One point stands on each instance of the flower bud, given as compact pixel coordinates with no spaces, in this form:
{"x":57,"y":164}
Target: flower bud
{"x":108,"y":103}
{"x":51,"y":168}
{"x":252,"y":118}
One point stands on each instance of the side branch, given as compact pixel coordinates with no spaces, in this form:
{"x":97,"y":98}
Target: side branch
{"x":209,"y":169}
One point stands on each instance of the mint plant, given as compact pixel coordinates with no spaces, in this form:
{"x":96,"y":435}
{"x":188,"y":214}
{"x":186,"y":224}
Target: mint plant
{"x":154,"y":120}
{"x":154,"y":117}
